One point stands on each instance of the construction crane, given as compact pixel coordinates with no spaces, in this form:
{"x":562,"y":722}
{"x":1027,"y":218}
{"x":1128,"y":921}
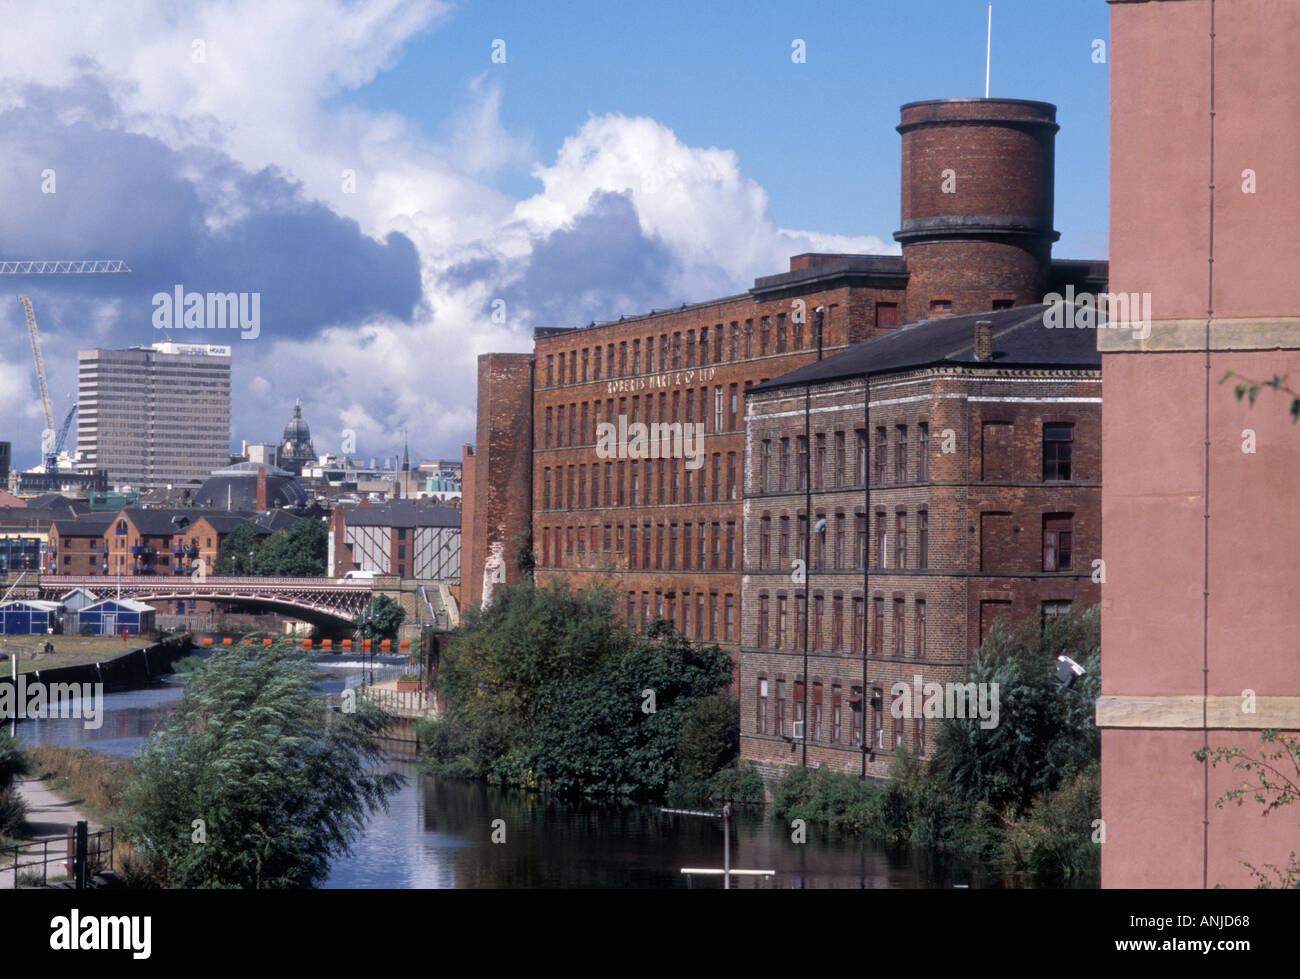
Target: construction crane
{"x":51,"y":444}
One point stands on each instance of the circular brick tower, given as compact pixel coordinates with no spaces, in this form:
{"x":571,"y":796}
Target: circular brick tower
{"x":976,"y":203}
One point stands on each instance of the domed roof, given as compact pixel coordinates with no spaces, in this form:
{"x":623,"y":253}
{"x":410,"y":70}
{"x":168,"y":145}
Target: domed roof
{"x":296,"y":447}
{"x":297,"y":428}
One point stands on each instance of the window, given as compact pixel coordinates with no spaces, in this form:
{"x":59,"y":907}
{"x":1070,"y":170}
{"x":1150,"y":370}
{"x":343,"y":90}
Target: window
{"x":837,"y":623}
{"x":1057,"y":533}
{"x":940,"y":307}
{"x":815,"y":639}
{"x":1057,"y":445}
{"x":765,"y":467}
{"x":717,"y":408}
{"x":886,"y":316}
{"x":781,"y":633}
{"x":880,"y":539}
{"x":731,"y":618}
{"x":764,"y":335}
{"x":839,"y":541}
{"x":780,"y":333}
{"x":819,"y":462}
{"x":900,"y":452}
{"x":882,"y":445}
{"x":859,"y":622}
{"x":550,"y":370}
{"x":900,"y":539}
{"x":549,"y":430}
{"x":760,"y":716}
{"x":546,"y":488}
{"x":898,"y":627}
{"x":778,"y":726}
{"x":920,"y":628}
{"x":878,"y":718}
{"x":855,"y":712}
{"x":877,"y":626}
{"x":1003,"y":304}
{"x":923,"y":541}
{"x":817,"y":711}
{"x":923,"y":451}
{"x":802,"y":442}
{"x":835,"y":713}
{"x":764,"y":541}
{"x":762,"y":621}
{"x":732,"y":562}
{"x":918,"y":732}
{"x":839,"y":478}
{"x":1054,"y":610}
{"x":799,"y":704}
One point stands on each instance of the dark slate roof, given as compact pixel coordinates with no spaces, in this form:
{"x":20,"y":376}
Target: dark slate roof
{"x":60,"y":503}
{"x":89,"y":525}
{"x":400,"y":513}
{"x":240,"y":490}
{"x":1020,"y":339}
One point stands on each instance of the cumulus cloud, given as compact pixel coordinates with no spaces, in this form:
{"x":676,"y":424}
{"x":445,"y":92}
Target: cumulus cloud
{"x":381,"y":252}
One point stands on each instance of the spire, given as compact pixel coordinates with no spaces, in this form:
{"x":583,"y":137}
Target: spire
{"x":406,"y":454}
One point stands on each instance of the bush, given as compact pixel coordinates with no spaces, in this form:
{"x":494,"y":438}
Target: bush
{"x":96,"y":778}
{"x":13,"y":813}
{"x":1055,"y":841}
{"x":187,"y":665}
{"x":737,"y":784}
{"x":687,"y":792}
{"x":710,"y":738}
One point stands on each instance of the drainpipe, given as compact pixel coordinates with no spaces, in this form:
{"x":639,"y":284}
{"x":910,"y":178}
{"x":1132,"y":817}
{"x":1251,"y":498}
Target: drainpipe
{"x":807,"y":537}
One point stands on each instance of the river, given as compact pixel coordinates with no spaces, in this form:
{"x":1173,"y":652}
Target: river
{"x":439,"y":832}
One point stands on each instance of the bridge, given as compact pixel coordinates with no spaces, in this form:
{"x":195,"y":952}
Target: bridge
{"x":329,"y":597}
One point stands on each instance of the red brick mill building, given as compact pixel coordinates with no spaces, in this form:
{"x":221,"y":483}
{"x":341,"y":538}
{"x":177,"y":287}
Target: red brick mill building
{"x":976,"y":235}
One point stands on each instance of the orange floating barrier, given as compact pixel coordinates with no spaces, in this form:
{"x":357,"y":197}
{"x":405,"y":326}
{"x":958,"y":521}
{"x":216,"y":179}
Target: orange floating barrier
{"x":347,"y":645}
{"x":207,"y":640}
{"x":327,"y":645}
{"x":306,"y":644}
{"x":365,"y":645}
{"x":266,"y":641}
{"x":227,"y":641}
{"x":406,"y":645}
{"x":386,"y":646}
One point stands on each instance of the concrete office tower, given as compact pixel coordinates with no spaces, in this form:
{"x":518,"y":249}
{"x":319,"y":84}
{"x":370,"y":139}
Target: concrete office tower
{"x":1199,"y":528}
{"x":154,"y":416}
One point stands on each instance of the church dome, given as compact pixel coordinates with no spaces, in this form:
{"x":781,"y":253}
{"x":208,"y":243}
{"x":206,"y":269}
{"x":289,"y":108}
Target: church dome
{"x":295,"y":446}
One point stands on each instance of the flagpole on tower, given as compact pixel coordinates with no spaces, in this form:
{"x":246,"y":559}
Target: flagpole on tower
{"x":988,"y":51}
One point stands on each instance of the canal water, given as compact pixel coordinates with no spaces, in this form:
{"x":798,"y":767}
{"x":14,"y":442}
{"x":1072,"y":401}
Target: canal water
{"x":439,"y":832}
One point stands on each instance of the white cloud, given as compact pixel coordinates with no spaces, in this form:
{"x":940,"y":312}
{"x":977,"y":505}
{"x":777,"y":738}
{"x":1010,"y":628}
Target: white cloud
{"x":266,"y":96}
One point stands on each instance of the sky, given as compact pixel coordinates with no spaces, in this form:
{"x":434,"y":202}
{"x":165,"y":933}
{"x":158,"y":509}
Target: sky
{"x":406,"y":184}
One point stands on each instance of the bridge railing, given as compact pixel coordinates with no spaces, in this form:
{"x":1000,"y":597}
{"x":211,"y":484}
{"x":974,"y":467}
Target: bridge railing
{"x":406,"y":703}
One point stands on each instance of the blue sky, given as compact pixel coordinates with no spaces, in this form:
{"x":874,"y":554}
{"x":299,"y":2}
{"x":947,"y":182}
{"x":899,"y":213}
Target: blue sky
{"x":623,"y":157}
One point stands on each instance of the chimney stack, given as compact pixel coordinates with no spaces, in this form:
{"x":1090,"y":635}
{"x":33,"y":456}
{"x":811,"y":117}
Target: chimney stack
{"x":984,"y":341}
{"x":261,"y":487}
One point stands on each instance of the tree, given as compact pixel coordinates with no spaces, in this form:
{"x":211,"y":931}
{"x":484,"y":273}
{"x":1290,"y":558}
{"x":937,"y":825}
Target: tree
{"x":1277,"y":783}
{"x":544,"y":688}
{"x":251,"y":781}
{"x":301,"y":553}
{"x":381,"y":619}
{"x":13,"y":762}
{"x":1045,"y":734}
{"x":233,"y":556}
{"x":1246,"y":388}
{"x":710,"y":738}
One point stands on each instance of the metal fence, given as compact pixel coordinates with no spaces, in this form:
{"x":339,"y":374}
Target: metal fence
{"x":407,"y":703}
{"x":25,"y":863}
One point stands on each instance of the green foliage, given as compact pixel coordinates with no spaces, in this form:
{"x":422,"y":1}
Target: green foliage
{"x":13,"y":760}
{"x":1044,"y":734}
{"x":187,"y":665}
{"x":282,"y":784}
{"x":301,"y":553}
{"x":1276,"y":783}
{"x":1251,"y":389}
{"x":233,"y":556}
{"x":543,"y":689}
{"x":710,"y":738}
{"x":380,"y":620}
{"x":1055,"y":841}
{"x":737,"y":784}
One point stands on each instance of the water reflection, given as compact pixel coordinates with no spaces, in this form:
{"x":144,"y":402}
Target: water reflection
{"x":437,"y":833}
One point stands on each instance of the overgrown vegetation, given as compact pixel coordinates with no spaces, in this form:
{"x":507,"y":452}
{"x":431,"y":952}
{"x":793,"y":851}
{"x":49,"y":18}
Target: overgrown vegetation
{"x":251,"y":781}
{"x":1024,"y":794}
{"x":381,"y":619}
{"x":1274,"y":781}
{"x":13,"y":763}
{"x":299,"y":553}
{"x":545,"y":689}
